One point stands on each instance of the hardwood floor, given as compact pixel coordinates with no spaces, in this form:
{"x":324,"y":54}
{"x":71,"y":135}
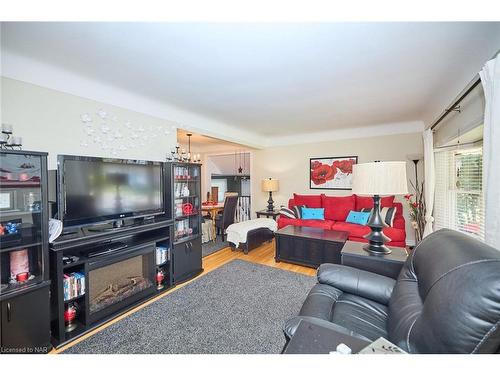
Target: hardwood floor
{"x":262,"y":255}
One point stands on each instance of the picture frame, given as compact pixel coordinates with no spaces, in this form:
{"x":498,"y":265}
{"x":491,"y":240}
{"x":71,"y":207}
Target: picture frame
{"x":331,"y":173}
{"x":7,"y":199}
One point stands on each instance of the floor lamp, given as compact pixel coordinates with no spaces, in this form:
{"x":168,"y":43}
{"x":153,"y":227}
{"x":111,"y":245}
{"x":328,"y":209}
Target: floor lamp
{"x":376,"y":179}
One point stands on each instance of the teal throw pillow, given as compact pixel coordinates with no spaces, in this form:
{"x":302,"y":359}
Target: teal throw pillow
{"x":356,"y":217}
{"x":313,"y":213}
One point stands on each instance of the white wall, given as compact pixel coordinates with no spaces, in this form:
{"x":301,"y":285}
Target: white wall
{"x":227,"y":165}
{"x":290,"y":164}
{"x":49,"y":120}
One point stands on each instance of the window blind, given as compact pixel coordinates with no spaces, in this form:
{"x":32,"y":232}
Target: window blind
{"x":459,"y":203}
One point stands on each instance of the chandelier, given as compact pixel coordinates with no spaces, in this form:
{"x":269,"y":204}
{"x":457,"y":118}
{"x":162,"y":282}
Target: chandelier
{"x":183,"y":156}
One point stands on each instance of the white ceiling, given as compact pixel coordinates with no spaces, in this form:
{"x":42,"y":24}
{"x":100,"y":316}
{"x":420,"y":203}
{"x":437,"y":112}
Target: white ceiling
{"x":272,"y":80}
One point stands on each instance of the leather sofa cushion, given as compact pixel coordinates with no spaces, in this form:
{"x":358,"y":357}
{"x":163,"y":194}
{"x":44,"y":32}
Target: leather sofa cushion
{"x":311,"y":201}
{"x":284,"y":221}
{"x":337,"y":208}
{"x":320,"y":302}
{"x":367,"y":202}
{"x":359,"y":231}
{"x":361,"y":315}
{"x":362,"y":283}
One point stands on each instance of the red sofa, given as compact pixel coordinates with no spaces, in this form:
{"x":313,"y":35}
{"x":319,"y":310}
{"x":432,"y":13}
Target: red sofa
{"x":336,"y":210}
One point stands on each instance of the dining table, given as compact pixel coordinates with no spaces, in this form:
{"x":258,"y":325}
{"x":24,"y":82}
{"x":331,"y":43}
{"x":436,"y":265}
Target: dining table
{"x":212,"y":209}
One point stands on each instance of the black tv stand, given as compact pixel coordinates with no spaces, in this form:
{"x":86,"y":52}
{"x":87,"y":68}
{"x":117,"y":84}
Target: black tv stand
{"x":107,"y":249}
{"x":96,"y":251}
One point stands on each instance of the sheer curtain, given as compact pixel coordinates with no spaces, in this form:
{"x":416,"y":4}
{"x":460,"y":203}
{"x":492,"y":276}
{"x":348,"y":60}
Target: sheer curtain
{"x":429,"y":180}
{"x":490,"y":79}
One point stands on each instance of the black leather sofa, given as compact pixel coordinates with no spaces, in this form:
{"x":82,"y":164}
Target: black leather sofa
{"x":445,"y":300}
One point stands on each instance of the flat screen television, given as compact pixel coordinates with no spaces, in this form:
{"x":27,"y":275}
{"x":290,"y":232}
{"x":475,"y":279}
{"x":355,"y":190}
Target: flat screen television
{"x":101,"y":190}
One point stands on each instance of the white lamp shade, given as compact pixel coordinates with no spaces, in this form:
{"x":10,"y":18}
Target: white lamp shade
{"x":379,"y":178}
{"x":270,"y":184}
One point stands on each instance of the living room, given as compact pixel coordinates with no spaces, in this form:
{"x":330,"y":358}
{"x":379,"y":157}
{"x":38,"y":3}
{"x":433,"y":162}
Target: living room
{"x":199,"y":187}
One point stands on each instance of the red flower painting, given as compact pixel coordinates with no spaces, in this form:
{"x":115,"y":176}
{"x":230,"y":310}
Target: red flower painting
{"x":332,"y":173}
{"x":322,"y":173}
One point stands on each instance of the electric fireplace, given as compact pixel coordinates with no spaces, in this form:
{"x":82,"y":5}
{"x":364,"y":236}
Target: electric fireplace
{"x":119,"y":282}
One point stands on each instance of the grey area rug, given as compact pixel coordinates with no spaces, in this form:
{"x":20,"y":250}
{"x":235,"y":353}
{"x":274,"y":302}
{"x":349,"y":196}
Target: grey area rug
{"x":211,"y":247}
{"x":238,"y":308}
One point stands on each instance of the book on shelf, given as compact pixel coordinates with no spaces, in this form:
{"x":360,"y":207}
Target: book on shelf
{"x":162,"y":255}
{"x":73,"y":285}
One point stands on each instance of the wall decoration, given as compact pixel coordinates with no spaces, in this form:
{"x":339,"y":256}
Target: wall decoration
{"x":332,"y":173}
{"x":7,"y":139}
{"x":106,"y":130}
{"x":7,"y":200}
{"x":85,"y":118}
{"x":102,"y":114}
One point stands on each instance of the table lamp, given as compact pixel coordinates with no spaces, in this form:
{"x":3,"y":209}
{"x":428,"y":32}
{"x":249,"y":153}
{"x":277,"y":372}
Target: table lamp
{"x":270,"y":185}
{"x":376,"y":179}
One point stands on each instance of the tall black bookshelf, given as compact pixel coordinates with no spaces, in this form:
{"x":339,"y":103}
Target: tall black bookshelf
{"x":185,"y":179}
{"x":25,"y":284}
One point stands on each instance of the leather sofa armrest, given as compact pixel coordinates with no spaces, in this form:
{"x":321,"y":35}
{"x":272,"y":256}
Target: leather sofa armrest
{"x":351,"y":280}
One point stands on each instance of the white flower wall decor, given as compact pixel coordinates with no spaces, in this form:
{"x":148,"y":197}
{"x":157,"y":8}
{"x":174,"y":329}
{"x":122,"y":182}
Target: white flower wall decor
{"x":107,"y":131}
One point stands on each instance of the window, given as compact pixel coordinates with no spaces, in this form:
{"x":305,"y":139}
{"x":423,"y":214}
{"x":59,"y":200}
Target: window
{"x":221,"y":183}
{"x":459,"y":191}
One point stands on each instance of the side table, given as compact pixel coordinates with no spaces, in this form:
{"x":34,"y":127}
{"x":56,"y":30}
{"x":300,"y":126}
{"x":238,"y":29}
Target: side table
{"x":310,"y":338}
{"x":388,"y":265}
{"x":272,"y":214}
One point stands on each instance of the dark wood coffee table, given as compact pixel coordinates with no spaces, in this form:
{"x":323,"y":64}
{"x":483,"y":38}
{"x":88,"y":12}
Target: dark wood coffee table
{"x":309,"y":247}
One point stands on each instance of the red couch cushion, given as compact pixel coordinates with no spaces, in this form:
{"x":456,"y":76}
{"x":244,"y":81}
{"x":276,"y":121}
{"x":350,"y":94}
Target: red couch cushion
{"x":367,"y":202}
{"x":399,"y":219}
{"x":337,"y":208}
{"x":359,"y":231}
{"x":311,"y":201}
{"x":284,"y":221}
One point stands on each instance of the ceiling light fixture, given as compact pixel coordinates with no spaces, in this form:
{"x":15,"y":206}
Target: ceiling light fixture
{"x":183,"y":156}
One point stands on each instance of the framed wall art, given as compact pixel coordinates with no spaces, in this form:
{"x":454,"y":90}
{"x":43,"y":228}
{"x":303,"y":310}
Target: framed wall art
{"x":331,"y":173}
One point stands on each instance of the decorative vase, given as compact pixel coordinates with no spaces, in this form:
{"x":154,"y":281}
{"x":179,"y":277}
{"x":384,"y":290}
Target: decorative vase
{"x":159,"y":280}
{"x":69,"y":317}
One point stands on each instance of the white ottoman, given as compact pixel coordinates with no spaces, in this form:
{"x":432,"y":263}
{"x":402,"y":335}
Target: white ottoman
{"x":248,"y":235}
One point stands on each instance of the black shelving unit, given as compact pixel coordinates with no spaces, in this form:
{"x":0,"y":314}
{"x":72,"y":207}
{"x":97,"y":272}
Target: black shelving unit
{"x":138,"y":256}
{"x":185,"y":180}
{"x":25,"y":284}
